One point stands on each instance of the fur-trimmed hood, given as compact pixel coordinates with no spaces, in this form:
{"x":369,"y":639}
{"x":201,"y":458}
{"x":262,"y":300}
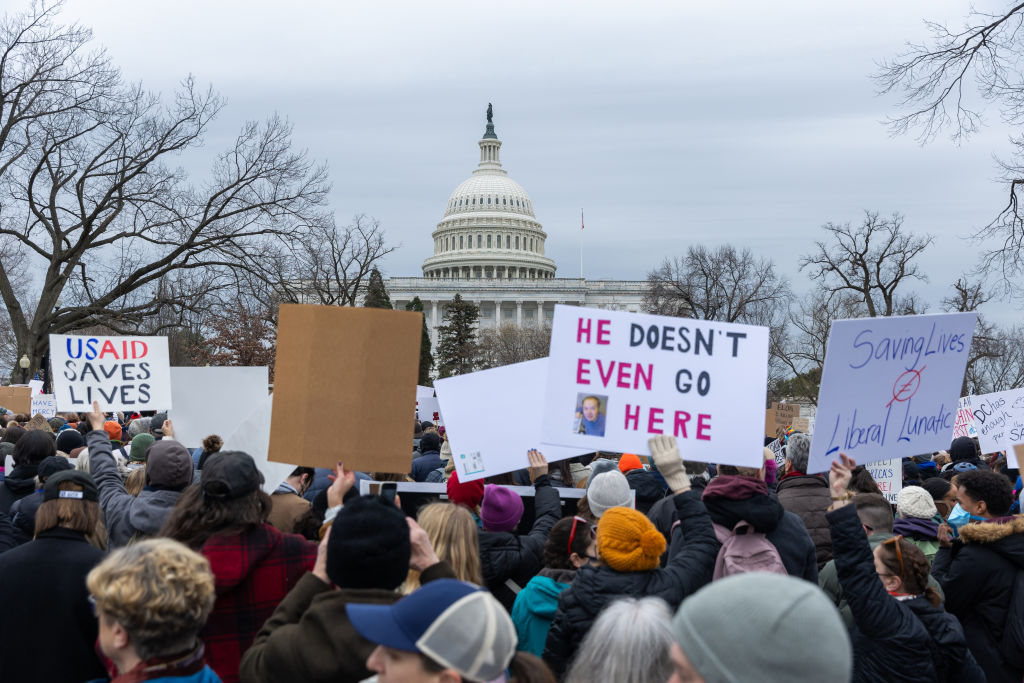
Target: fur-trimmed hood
{"x":992,"y":530}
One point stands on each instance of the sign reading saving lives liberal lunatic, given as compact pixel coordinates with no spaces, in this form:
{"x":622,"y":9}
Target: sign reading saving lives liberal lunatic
{"x":615,"y":379}
{"x":122,"y":373}
{"x":890,"y":387}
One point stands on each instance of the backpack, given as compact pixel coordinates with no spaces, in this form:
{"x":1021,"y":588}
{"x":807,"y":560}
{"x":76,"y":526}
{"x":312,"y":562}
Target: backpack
{"x":745,"y":550}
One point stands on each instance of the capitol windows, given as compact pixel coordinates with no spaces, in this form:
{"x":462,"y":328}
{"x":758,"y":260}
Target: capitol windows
{"x":479,"y":241}
{"x":488,"y":200}
{"x":517,"y":241}
{"x":488,"y":241}
{"x":508,"y":241}
{"x":462,"y":244}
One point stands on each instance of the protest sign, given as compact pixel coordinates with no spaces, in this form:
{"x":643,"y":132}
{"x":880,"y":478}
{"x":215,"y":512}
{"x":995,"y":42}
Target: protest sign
{"x":122,"y":373}
{"x":889,"y":387}
{"x":888,"y":474}
{"x":429,"y":408}
{"x":778,"y":450}
{"x":36,"y":385}
{"x":999,"y":419}
{"x":360,"y":364}
{"x":615,"y":379}
{"x":964,"y":424}
{"x":45,"y":405}
{"x":16,"y":399}
{"x":780,"y":416}
{"x":252,"y":436}
{"x":210,"y":400}
{"x":493,"y":436}
{"x":424,"y":392}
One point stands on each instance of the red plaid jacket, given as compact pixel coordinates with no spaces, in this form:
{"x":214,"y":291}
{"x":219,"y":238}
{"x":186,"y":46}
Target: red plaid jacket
{"x":254,"y":571}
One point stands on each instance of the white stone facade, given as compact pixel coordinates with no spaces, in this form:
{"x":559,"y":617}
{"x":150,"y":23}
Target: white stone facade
{"x":489,"y":247}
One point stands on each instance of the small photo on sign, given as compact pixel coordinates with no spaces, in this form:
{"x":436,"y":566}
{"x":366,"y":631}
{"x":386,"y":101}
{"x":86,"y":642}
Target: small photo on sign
{"x":591,"y":410}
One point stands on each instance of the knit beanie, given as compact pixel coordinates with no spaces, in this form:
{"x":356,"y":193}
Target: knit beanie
{"x":139,"y":445}
{"x":600,"y":466}
{"x":628,"y":542}
{"x":138,"y":426}
{"x":369,"y":545}
{"x":914,"y":501}
{"x":69,"y":440}
{"x":743,"y":628}
{"x":469,"y":494}
{"x":113,"y":430}
{"x":501,"y":508}
{"x":608,"y":490}
{"x":629,"y":462}
{"x":962,"y":448}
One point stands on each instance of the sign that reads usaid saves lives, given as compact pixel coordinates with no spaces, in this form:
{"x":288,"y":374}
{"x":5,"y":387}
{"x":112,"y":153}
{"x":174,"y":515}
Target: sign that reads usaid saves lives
{"x":890,"y":387}
{"x":122,"y":373}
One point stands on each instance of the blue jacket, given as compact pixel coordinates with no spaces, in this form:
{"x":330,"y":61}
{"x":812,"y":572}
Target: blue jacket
{"x":206,"y":675}
{"x":425,"y":464}
{"x":535,"y":607}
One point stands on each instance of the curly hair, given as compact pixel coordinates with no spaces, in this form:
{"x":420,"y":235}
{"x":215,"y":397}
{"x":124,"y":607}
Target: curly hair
{"x":993,"y":488}
{"x":557,"y":550}
{"x":159,"y":591}
{"x":915,"y":567}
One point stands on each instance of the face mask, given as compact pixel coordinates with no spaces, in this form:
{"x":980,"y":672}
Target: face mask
{"x":959,"y":517}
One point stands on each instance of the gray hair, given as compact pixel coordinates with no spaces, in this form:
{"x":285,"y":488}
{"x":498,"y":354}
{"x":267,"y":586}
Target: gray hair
{"x":798,"y":450}
{"x":629,"y":643}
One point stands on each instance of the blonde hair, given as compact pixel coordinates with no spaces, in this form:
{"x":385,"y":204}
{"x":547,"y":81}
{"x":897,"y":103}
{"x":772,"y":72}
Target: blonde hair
{"x":159,"y":591}
{"x":453,"y":533}
{"x":135,"y":481}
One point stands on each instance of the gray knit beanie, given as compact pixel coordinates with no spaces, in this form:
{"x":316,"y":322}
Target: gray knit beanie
{"x":743,"y":628}
{"x":608,"y":490}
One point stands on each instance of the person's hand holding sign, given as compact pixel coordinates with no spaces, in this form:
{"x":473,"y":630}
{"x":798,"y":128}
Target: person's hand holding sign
{"x":538,"y":465}
{"x":341,"y":481}
{"x":839,"y":480}
{"x":665,"y":452}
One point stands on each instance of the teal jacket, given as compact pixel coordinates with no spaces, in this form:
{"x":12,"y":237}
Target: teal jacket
{"x":535,"y":607}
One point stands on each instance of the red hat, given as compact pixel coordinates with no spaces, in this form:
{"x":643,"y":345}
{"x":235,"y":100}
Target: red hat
{"x":469,"y":494}
{"x":629,"y":462}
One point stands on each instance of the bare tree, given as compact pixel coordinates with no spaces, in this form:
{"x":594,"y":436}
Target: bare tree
{"x":511,"y":344}
{"x":871,"y":261}
{"x":91,"y":196}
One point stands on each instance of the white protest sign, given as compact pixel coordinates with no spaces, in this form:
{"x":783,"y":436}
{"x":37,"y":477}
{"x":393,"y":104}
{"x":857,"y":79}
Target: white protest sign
{"x":214,"y":400}
{"x":424,"y":392}
{"x":122,"y":373}
{"x":36,"y":385}
{"x":45,"y":405}
{"x":615,"y":379}
{"x":999,"y":418}
{"x":253,"y":437}
{"x":480,"y":406}
{"x":890,"y":387}
{"x":964,"y":424}
{"x":429,"y":408}
{"x":888,"y":474}
{"x":778,"y":450}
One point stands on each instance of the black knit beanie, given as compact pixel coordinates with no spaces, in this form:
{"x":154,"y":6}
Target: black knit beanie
{"x":369,"y":545}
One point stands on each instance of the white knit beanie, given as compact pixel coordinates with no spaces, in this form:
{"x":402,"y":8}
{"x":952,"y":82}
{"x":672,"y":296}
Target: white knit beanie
{"x":914,"y":501}
{"x":608,"y":490}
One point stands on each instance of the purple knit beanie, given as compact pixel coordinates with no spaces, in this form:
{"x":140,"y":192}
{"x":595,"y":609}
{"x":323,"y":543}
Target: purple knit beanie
{"x":501,"y":508}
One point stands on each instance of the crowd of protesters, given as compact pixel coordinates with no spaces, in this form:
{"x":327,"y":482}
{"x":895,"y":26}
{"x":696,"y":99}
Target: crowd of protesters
{"x":128,"y":556}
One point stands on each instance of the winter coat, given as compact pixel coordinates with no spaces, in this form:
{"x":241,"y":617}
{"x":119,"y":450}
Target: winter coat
{"x":732,"y":498}
{"x":286,"y":510}
{"x":808,"y":497}
{"x":253,"y":570}
{"x":924,"y":533}
{"x":309,"y":637}
{"x":663,"y":513}
{"x":10,"y":537}
{"x":126,"y":517}
{"x":535,"y":607}
{"x":889,"y":642}
{"x":47,"y":629}
{"x":648,"y":490}
{"x":690,"y":567}
{"x":23,"y":515}
{"x":184,"y":668}
{"x":954,"y":661}
{"x":977,"y":574}
{"x":423,"y":465}
{"x":18,"y":483}
{"x":505,"y":556}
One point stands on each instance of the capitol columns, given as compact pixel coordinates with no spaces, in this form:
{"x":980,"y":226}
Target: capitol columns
{"x":519,"y":312}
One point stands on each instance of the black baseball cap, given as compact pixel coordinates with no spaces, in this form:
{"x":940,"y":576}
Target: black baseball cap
{"x":51,"y":491}
{"x":231,"y":474}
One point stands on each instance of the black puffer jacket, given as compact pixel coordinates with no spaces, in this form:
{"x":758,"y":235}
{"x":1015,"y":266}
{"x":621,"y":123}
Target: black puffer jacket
{"x":889,"y":642}
{"x":663,"y":513}
{"x":505,"y":556}
{"x":689,"y":568}
{"x":977,"y":576}
{"x":18,"y":483}
{"x":807,"y":497}
{"x":953,"y":659}
{"x":648,"y":489}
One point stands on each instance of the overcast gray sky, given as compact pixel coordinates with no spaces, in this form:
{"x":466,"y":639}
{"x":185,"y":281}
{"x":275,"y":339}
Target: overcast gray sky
{"x":670,"y":123}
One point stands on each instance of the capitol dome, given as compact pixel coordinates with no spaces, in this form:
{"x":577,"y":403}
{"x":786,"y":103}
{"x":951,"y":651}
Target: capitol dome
{"x":489,"y":229}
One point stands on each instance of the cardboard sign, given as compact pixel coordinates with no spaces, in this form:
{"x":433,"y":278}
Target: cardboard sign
{"x":252,"y":436}
{"x":359,"y":363}
{"x":888,"y":474}
{"x":890,"y":387}
{"x":429,"y":408}
{"x":999,"y":419}
{"x":122,"y":373}
{"x":964,"y":425}
{"x":493,"y":436}
{"x":780,"y":416}
{"x":45,"y":405}
{"x":214,"y":400}
{"x":615,"y":379}
{"x":16,"y":399}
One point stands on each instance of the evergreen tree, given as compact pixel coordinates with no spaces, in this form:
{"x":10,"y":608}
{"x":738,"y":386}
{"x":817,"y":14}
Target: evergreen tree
{"x":376,"y":294}
{"x":426,"y":358}
{"x":456,"y":341}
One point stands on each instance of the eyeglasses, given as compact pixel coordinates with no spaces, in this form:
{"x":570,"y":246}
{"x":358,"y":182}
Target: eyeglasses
{"x":572,"y":532}
{"x":895,"y":541}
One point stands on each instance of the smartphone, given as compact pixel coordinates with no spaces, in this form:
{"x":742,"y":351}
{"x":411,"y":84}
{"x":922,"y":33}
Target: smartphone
{"x":388,"y":490}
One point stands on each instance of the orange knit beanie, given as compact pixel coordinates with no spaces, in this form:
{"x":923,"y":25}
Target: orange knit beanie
{"x":627,"y":541}
{"x":629,"y":462}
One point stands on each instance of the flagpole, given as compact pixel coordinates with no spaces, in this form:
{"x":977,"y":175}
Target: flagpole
{"x":581,"y":245}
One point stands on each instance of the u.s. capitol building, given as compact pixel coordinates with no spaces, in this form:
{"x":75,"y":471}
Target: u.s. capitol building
{"x":489,"y":247}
